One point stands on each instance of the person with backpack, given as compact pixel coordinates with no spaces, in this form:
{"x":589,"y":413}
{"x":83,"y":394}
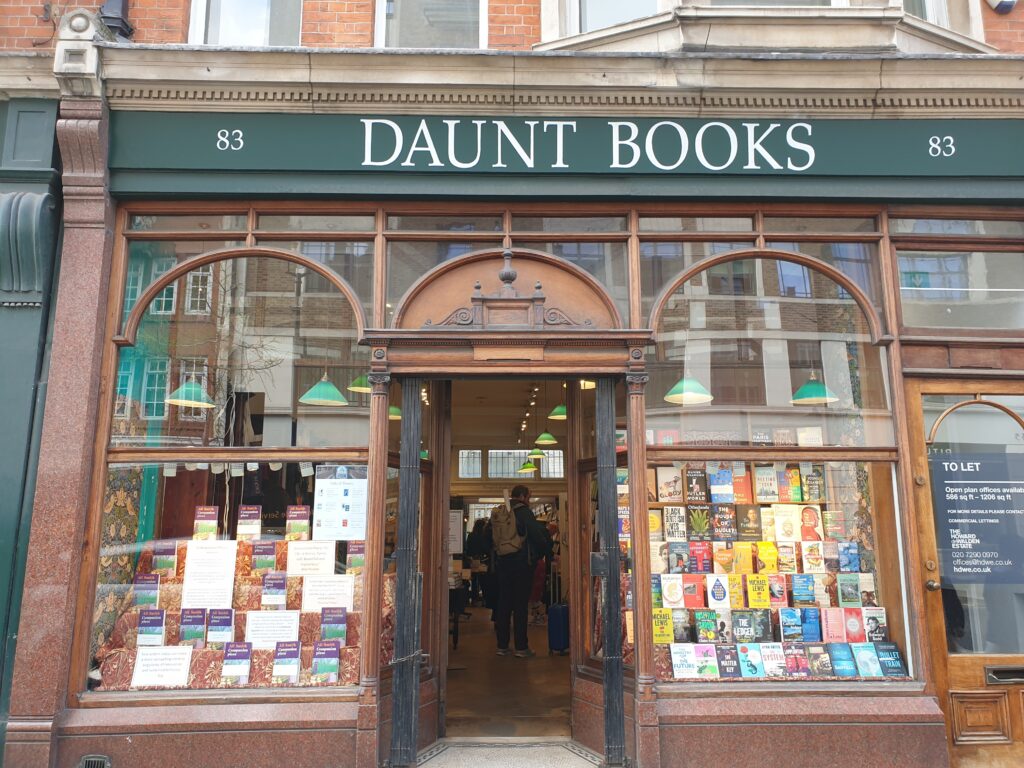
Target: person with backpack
{"x":519,"y":542}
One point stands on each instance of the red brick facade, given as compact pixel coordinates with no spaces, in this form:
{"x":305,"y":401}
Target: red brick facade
{"x":513,"y":25}
{"x":1004,"y":31}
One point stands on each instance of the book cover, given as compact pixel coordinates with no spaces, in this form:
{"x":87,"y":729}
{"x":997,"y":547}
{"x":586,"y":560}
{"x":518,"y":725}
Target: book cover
{"x":705,"y":624}
{"x":718,"y":591}
{"x":296,"y":526}
{"x":678,"y":557}
{"x":707,"y":660}
{"x":146,"y":591}
{"x":834,"y":523}
{"x":791,"y":627}
{"x":723,"y":557}
{"x":286,"y":663}
{"x":853,"y":621}
{"x":693,"y":590}
{"x":220,"y":627}
{"x":761,"y":435}
{"x":868,"y":595}
{"x":748,"y":522}
{"x":743,"y":560}
{"x":326,"y":661}
{"x":828,"y":592}
{"x":205,"y":526}
{"x":866,"y":659}
{"x":659,"y":556}
{"x":841,"y":656}
{"x":778,"y":592}
{"x":766,"y":483}
{"x":700,"y":557}
{"x":655,"y":525}
{"x":802,"y":586}
{"x":728,"y":661}
{"x":151,"y":627}
{"x":790,"y":486}
{"x":876,"y":627}
{"x":656,"y":590}
{"x":682,"y":630}
{"x":783,"y":436}
{"x":833,"y":625}
{"x":751,"y":663}
{"x":165,"y":558}
{"x":743,"y":625}
{"x":652,"y":479}
{"x":742,"y":487}
{"x":787,"y":525}
{"x":818,"y":662}
{"x":813,"y":479}
{"x":737,"y":591}
{"x":720,"y":487}
{"x":849,"y":557}
{"x":810,"y":436}
{"x":675,"y":523}
{"x":813,"y":556}
{"x":696,"y":484}
{"x":830,"y":552}
{"x":622,"y":495}
{"x":625,"y":525}
{"x":767,"y":524}
{"x":662,"y":623}
{"x":757,"y":591}
{"x":355,"y":556}
{"x":264,"y":557}
{"x":684,"y":661}
{"x":275,"y":589}
{"x":774,"y":659}
{"x":250,"y":522}
{"x":890,"y":660}
{"x":767,"y":557}
{"x":867,"y":560}
{"x":763,"y":630}
{"x":672,"y":595}
{"x":810,"y":523}
{"x":334,"y":624}
{"x":724,"y":631}
{"x":789,"y":556}
{"x":810,"y":620}
{"x":698,"y":522}
{"x":192,"y":630}
{"x":237,"y":662}
{"x":796,"y":659}
{"x":670,"y":483}
{"x":849,"y":590}
{"x":723,"y":522}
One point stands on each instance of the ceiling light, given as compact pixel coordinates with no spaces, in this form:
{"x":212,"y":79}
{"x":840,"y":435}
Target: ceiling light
{"x":814,"y":392}
{"x":323,"y":393}
{"x":688,"y":392}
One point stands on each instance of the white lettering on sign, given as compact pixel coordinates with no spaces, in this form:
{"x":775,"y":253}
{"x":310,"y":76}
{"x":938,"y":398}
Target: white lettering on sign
{"x":962,"y":466}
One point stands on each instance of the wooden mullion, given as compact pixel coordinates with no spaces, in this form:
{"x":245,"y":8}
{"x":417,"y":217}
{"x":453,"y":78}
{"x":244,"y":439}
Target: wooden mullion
{"x":570,"y":237}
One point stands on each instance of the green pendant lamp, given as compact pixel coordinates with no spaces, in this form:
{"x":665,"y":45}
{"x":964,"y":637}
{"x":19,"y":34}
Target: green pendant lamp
{"x":527,"y":467}
{"x":424,"y":453}
{"x":688,"y":391}
{"x":535,"y":454}
{"x":360,"y":384}
{"x":394,"y":413}
{"x":814,"y":392}
{"x":190,"y":395}
{"x":558,"y":413}
{"x":324,"y":393}
{"x":546,"y":438}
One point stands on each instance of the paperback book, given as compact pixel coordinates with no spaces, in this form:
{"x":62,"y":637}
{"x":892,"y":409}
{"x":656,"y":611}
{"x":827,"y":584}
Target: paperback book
{"x":841,"y":655}
{"x":662,"y":623}
{"x":813,"y":557}
{"x":728,"y":662}
{"x":876,"y":627}
{"x":326,"y":662}
{"x":802,"y":585}
{"x":205,"y":526}
{"x":655,"y":525}
{"x":796,"y":660}
{"x":743,"y":630}
{"x":220,"y":627}
{"x":766,"y":484}
{"x":670,"y":484}
{"x":868,"y":595}
{"x":763,"y":630}
{"x":672,"y":595}
{"x":678,"y":557}
{"x":659,"y":556}
{"x":286,"y":663}
{"x":833,"y":625}
{"x":237,"y":662}
{"x":757,"y":591}
{"x":192,"y":630}
{"x":723,"y":558}
{"x":700,"y":557}
{"x":813,"y":481}
{"x":724,"y":632}
{"x":250,"y":522}
{"x":707,"y":660}
{"x":723,"y":522}
{"x":675,"y":523}
{"x":774,"y":659}
{"x":849,"y":557}
{"x":789,"y":556}
{"x":787,"y":525}
{"x":684,"y":661}
{"x":151,"y":627}
{"x":698,"y":522}
{"x":830,"y":552}
{"x":742,"y":487}
{"x":810,"y":620}
{"x":693,"y":590}
{"x":718,"y":592}
{"x":720,"y":482}
{"x":890,"y":660}
{"x":737,"y":591}
{"x":681,"y":626}
{"x":778,"y":594}
{"x":264,"y":557}
{"x":849,"y":590}
{"x":818,"y":661}
{"x":705,"y":622}
{"x":751,"y":663}
{"x":743,"y":557}
{"x":355,"y":556}
{"x":767,"y":557}
{"x":810,"y":523}
{"x":334,"y":624}
{"x":834,"y":523}
{"x":854,"y":624}
{"x":696,"y":484}
{"x":866,"y":658}
{"x":790,"y":488}
{"x":147,"y":589}
{"x":296,"y":526}
{"x":767,"y":524}
{"x":748,"y":522}
{"x":656,"y":590}
{"x":791,"y":626}
{"x":165,"y":558}
{"x":275,"y":590}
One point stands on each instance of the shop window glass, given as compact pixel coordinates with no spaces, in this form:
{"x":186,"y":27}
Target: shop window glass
{"x":209,"y":577}
{"x":265,"y":343}
{"x":961,"y":227}
{"x":858,"y":261}
{"x":660,"y":263}
{"x":974,"y":289}
{"x":775,"y":570}
{"x":819,"y":224}
{"x":122,"y":395}
{"x":315,"y":223}
{"x":132,"y":287}
{"x":246,"y":22}
{"x":197,"y":291}
{"x":737,"y":369}
{"x":445,"y":223}
{"x":470,"y":463}
{"x":164,"y":302}
{"x":934,"y":11}
{"x":229,"y":222}
{"x":432,"y":24}
{"x":568,"y":224}
{"x":598,"y":14}
{"x":688,"y":224}
{"x":505,"y":464}
{"x":597,"y":584}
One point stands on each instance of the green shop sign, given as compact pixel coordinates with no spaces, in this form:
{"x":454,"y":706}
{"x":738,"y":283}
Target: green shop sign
{"x":559,"y":145}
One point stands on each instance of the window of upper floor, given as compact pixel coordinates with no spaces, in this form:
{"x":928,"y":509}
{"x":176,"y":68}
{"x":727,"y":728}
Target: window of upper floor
{"x":246,"y":22}
{"x":431,"y":24}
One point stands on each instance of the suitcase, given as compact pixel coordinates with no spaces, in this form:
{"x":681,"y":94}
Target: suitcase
{"x":558,"y":622}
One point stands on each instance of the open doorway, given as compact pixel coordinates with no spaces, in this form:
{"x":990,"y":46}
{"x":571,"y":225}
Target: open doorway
{"x":494,"y":427}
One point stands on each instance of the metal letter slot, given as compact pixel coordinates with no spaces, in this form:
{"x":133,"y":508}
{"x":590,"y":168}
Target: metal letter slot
{"x":1004,"y":675}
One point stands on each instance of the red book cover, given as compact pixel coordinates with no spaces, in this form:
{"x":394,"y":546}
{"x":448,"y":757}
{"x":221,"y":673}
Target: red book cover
{"x":742,"y":488}
{"x":778,"y":594}
{"x":700,"y":557}
{"x":854,"y":624}
{"x":833,"y":625}
{"x":693,"y":590}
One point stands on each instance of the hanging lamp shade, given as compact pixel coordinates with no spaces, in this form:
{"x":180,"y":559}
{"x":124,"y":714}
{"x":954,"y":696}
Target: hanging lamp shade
{"x":527,"y":467}
{"x":190,"y":395}
{"x":558,"y":413}
{"x":814,"y":392}
{"x":394,"y":413}
{"x":360,"y":384}
{"x":588,"y":384}
{"x":424,"y":453}
{"x":546,"y":438}
{"x":688,"y":391}
{"x":535,"y":454}
{"x":323,"y":393}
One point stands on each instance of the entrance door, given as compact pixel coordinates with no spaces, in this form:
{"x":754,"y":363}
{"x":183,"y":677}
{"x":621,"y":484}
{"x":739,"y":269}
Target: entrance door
{"x":969,"y":486}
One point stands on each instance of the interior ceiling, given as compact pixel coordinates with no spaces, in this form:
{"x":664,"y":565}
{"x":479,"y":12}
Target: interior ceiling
{"x":488,"y":413}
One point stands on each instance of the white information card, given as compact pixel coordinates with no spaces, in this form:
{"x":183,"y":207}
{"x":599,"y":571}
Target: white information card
{"x":265,"y":629}
{"x":209,"y":574}
{"x":337,"y":591}
{"x":164,"y":666}
{"x":311,"y":558}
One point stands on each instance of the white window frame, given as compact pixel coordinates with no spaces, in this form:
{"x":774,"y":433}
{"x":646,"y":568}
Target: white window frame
{"x":197,"y":25}
{"x":380,"y":29}
{"x":132,"y":287}
{"x":197,"y":368}
{"x":160,"y":268}
{"x":192,"y":283}
{"x":123,"y":387}
{"x":151,"y":365}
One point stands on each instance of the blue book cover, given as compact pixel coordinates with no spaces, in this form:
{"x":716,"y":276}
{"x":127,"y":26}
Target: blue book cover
{"x":751,"y":664}
{"x":843,"y":664}
{"x":803,"y":588}
{"x":810,"y":618}
{"x":720,"y":483}
{"x":849,"y":557}
{"x":890,"y":660}
{"x":866,"y":659}
{"x":790,"y":625}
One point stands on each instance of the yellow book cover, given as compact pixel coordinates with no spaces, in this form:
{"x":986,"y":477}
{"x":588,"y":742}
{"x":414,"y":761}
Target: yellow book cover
{"x":737,"y":596}
{"x":743,"y":557}
{"x":758,"y":595}
{"x":662,"y":620}
{"x":767,"y":557}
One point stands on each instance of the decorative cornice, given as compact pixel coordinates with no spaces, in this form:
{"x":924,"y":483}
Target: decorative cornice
{"x":27,"y":75}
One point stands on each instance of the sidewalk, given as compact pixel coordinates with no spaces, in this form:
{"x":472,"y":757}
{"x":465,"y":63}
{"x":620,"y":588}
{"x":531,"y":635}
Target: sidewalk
{"x":507,"y":753}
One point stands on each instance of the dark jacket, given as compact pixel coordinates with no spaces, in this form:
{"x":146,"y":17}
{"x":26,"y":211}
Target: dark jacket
{"x":538,"y":540}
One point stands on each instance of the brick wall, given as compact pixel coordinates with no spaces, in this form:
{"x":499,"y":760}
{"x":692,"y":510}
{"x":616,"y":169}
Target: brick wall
{"x":1004,"y":31}
{"x":513,"y":25}
{"x":155,"y":21}
{"x":159,"y":21}
{"x":337,"y":23}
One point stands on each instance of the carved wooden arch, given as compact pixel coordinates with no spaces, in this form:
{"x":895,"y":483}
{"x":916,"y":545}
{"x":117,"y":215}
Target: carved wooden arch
{"x":976,"y":401}
{"x":131,"y":326}
{"x":878,"y":337}
{"x":408,"y":303}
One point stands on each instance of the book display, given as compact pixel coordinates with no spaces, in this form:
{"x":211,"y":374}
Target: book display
{"x":243,"y":592}
{"x":784,"y":590}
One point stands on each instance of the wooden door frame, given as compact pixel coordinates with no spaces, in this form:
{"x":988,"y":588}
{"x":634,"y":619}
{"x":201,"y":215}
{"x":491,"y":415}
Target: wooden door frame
{"x":935,"y":630}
